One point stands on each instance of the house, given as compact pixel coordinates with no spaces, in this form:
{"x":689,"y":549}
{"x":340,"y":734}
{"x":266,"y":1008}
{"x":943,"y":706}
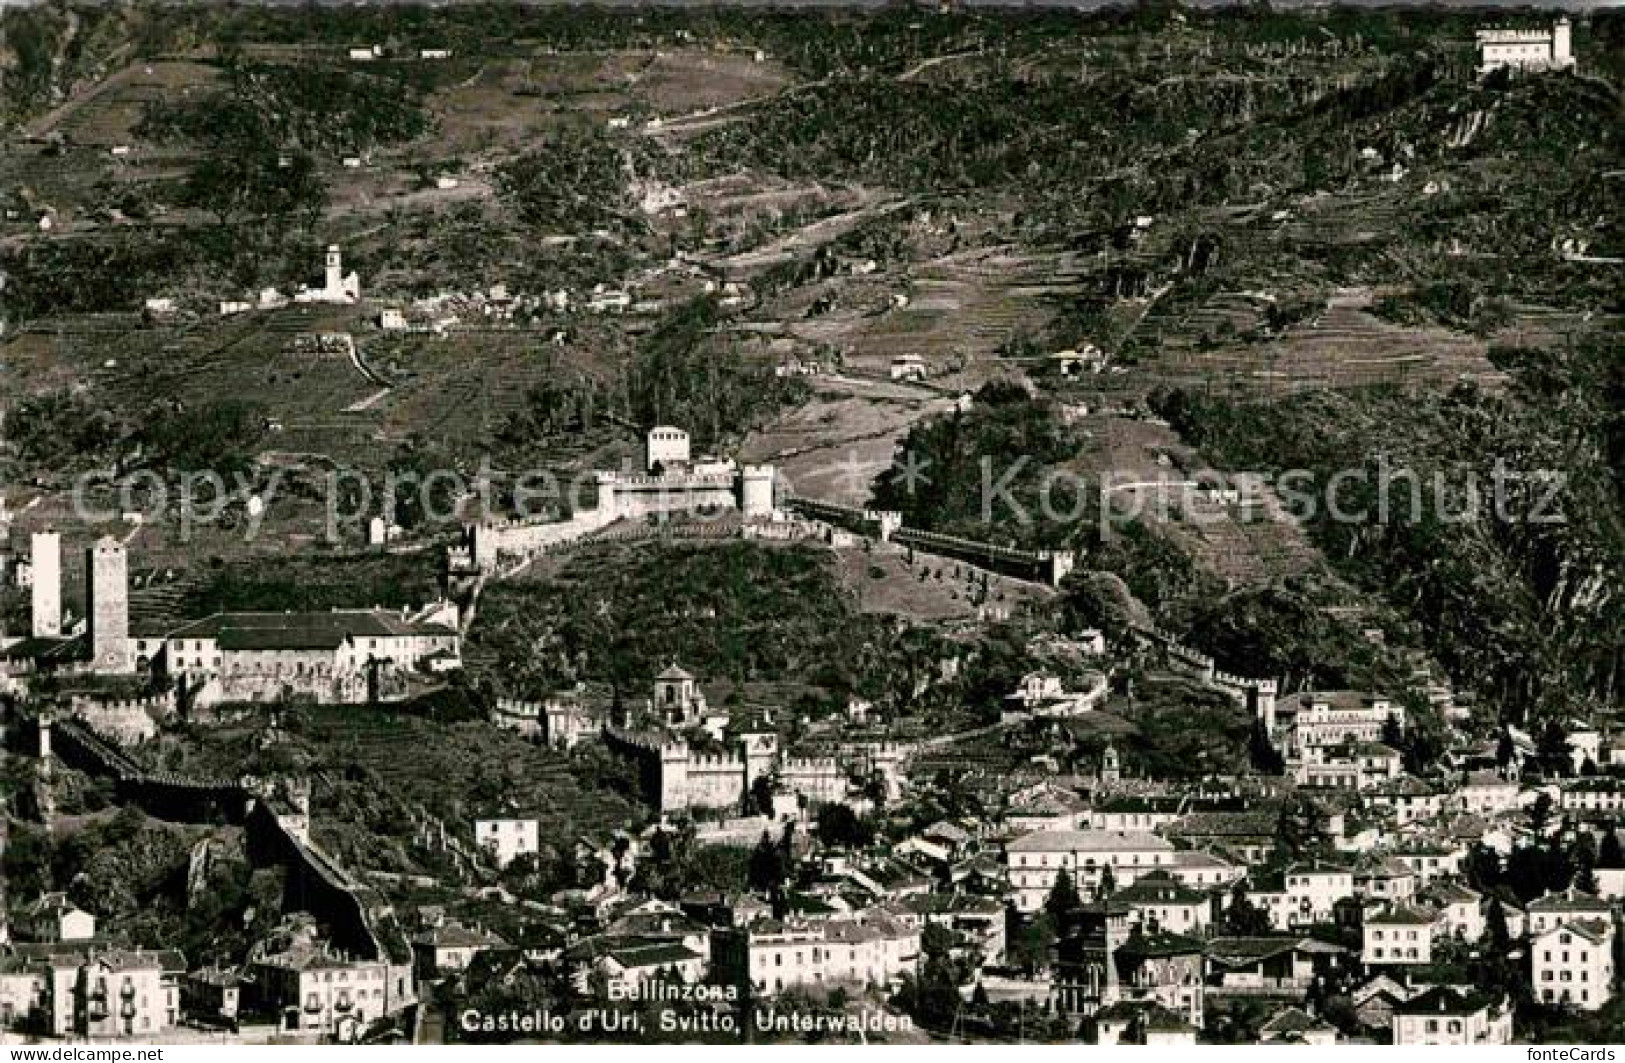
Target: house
{"x":1400,"y":934}
{"x":1136,"y":1023}
{"x":1408,"y":800}
{"x":1375,"y":1001}
{"x":1102,"y":960}
{"x":1201,"y":870}
{"x":1487,"y":794}
{"x":1283,"y":964}
{"x":1159,"y":901}
{"x":1384,"y":880}
{"x":507,"y":839}
{"x":1035,"y":860}
{"x":908,"y":367}
{"x":315,"y":991}
{"x":866,"y":949}
{"x":1294,"y":1026}
{"x":1312,"y":888}
{"x":112,"y":992}
{"x":1569,"y":906}
{"x":633,"y":965}
{"x":1445,"y":1016}
{"x":1461,"y":910}
{"x":1136,"y":812}
{"x":1043,"y":695}
{"x":1572,"y":964}
{"x":54,"y":918}
{"x":1250,"y":835}
{"x":1350,"y":766}
{"x":338,"y":656}
{"x":212,"y":994}
{"x":1428,"y":860}
{"x":450,"y":947}
{"x":1594,"y":795}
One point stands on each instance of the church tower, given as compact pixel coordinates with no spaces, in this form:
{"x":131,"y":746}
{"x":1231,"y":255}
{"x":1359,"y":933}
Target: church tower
{"x":334,"y":278}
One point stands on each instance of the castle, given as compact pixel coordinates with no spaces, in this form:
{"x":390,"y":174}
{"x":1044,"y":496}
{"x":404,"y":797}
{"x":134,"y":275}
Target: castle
{"x":671,"y":482}
{"x":1524,"y":49}
{"x":676,"y":776}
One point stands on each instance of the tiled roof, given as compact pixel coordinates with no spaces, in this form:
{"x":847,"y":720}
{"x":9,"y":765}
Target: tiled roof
{"x":1088,"y":841}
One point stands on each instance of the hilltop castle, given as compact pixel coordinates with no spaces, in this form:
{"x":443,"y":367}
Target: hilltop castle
{"x":672,"y":481}
{"x":1525,"y":49}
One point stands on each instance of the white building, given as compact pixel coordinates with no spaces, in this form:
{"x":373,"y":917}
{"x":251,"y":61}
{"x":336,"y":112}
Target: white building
{"x":1526,"y":49}
{"x":1401,"y":934}
{"x":507,"y":839}
{"x":1573,"y":965}
{"x":1444,"y":1016}
{"x":868,"y":949}
{"x":1044,"y":695}
{"x":1570,"y":906}
{"x":1313,"y":888}
{"x":337,"y":286}
{"x":1034,"y":861}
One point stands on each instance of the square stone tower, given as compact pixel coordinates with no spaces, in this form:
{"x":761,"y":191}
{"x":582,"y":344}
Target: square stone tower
{"x":45,"y":567}
{"x":107,"y":605}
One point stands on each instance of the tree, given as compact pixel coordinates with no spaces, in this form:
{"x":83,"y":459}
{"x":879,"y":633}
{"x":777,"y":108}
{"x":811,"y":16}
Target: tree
{"x":1552,"y":750}
{"x":1505,"y":750}
{"x":1495,"y":928}
{"x":840,"y":827}
{"x":1243,"y":918}
{"x":767,"y":868}
{"x":1540,"y":814}
{"x":1063,"y":897}
{"x":1300,"y":830}
{"x":1609,"y":854}
{"x":1265,"y":758}
{"x":1108,"y":882}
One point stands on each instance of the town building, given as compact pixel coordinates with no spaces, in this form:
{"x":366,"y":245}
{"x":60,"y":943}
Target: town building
{"x":1568,"y":906}
{"x":507,"y":839}
{"x":868,"y":949}
{"x":1034,"y":861}
{"x":54,"y":918}
{"x":340,"y":656}
{"x":1572,"y":964}
{"x":1446,"y":1016}
{"x":313,"y":989}
{"x":1400,"y":934}
{"x":113,"y":993}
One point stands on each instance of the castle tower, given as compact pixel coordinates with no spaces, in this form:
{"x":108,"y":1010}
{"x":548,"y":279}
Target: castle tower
{"x":46,"y":566}
{"x":676,"y":696}
{"x":608,"y":504}
{"x":333,"y":279}
{"x":107,"y":605}
{"x":761,"y":755}
{"x":756,"y":491}
{"x":1111,"y":767}
{"x":1562,"y":54}
{"x":1264,"y":705}
{"x":672,"y":782}
{"x":665,"y":447}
